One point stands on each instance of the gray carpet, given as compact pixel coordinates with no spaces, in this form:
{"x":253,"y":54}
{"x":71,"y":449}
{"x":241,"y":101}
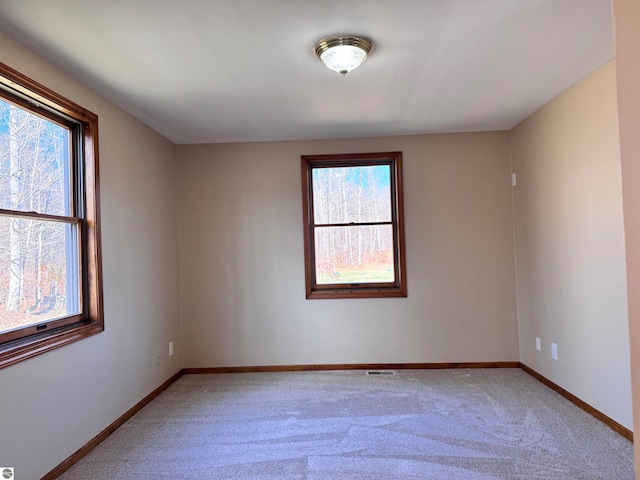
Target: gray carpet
{"x":417,"y":424}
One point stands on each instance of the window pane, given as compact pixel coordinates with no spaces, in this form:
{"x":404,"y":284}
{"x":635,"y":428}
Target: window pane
{"x":352,"y":194}
{"x":354,"y":254}
{"x":34,"y":163}
{"x":38,"y":271}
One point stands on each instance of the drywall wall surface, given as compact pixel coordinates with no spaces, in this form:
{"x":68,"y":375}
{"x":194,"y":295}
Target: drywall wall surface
{"x":53,"y":404}
{"x":243,"y":288}
{"x":627,"y":30}
{"x":570,"y":255}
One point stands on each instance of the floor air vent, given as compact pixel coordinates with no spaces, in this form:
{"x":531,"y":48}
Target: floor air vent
{"x":380,"y":372}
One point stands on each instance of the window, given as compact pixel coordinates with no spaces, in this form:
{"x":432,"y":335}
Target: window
{"x":50,"y":275}
{"x":354,"y":234}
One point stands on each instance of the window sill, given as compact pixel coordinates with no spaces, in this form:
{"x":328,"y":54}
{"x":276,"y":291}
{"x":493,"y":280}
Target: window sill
{"x":360,"y":293}
{"x":19,"y":350}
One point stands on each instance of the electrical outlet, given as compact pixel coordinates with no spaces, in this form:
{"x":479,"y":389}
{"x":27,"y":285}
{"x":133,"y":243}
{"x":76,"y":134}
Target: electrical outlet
{"x":171,"y":349}
{"x":554,"y":351}
{"x":538,"y":344}
{"x":157,"y":357}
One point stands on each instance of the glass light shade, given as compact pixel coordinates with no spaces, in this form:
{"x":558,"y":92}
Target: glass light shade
{"x":343,"y":53}
{"x":343,"y":58}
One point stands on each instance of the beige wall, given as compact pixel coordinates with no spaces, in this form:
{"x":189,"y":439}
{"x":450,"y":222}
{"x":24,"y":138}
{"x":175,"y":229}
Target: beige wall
{"x":242,"y":258}
{"x":570,"y":245}
{"x":53,"y":404}
{"x":627,"y":27}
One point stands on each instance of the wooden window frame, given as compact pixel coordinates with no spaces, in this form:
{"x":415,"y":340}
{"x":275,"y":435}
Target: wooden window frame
{"x":398,"y":288}
{"x":38,"y":339}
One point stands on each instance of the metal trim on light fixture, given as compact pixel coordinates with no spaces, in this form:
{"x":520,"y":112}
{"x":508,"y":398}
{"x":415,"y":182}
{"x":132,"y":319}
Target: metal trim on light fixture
{"x":328,"y":43}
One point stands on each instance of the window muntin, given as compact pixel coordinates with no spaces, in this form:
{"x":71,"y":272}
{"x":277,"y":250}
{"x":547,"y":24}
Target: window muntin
{"x":354,"y":238}
{"x":50,"y":275}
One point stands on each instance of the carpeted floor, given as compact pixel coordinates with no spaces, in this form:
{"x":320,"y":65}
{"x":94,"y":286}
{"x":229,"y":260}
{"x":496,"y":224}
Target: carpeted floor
{"x":416,"y":424}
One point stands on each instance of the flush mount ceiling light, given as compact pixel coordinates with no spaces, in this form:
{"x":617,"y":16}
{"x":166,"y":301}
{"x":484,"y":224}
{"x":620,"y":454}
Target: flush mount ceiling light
{"x":343,"y":53}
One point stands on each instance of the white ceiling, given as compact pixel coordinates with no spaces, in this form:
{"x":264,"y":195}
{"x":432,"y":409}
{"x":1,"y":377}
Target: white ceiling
{"x":204,"y":71}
